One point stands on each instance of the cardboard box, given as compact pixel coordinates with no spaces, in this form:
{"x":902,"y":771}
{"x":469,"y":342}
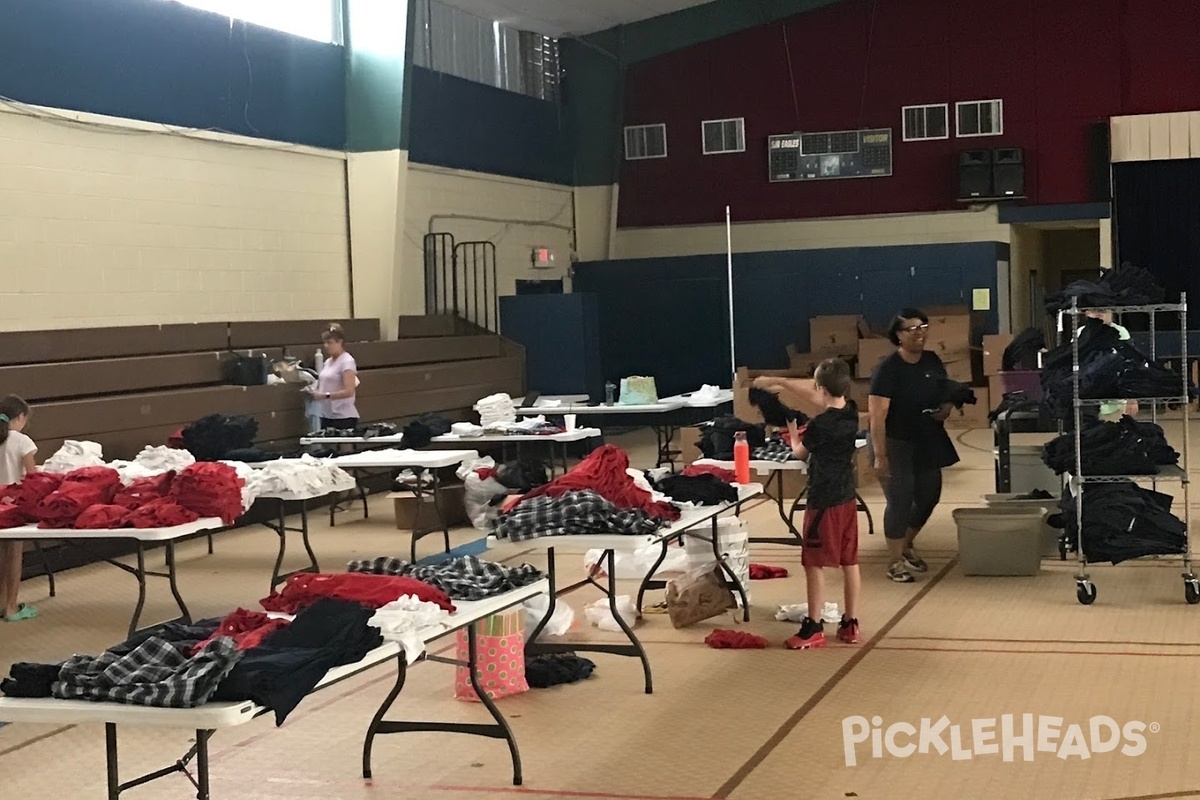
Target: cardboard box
{"x":836,"y":335}
{"x":860,"y":390}
{"x":864,"y":472}
{"x":451,"y":501}
{"x":741,"y":392}
{"x":689,"y":449}
{"x":994,"y":345}
{"x":870,"y":353}
{"x":805,"y":363}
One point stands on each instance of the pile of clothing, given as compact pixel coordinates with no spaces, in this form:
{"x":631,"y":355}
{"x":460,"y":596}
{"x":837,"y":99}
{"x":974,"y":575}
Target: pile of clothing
{"x":372,"y":431}
{"x":1121,"y":521}
{"x":464,"y":578}
{"x":495,"y":409}
{"x":600,"y":495}
{"x":1125,"y":447}
{"x":1109,"y":369}
{"x":96,"y":498}
{"x":221,"y":437}
{"x":1022,"y":351}
{"x":698,"y":485}
{"x":247,"y":655}
{"x":302,"y":477}
{"x":1125,"y":285}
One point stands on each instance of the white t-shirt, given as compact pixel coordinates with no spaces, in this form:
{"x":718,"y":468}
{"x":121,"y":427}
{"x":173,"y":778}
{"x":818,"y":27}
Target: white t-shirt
{"x":12,"y":453}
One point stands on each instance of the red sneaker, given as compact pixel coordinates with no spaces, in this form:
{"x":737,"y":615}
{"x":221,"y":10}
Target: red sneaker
{"x":848,"y":631}
{"x":811,"y":634}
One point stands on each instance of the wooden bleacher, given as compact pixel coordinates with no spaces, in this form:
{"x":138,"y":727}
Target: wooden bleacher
{"x":129,"y":387}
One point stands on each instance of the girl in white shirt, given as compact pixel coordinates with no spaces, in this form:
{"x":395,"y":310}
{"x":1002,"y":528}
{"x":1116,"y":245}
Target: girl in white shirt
{"x":16,"y":459}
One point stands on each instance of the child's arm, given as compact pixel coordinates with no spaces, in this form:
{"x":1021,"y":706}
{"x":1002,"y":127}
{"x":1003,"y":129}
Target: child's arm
{"x":798,"y":448}
{"x":28,"y":464}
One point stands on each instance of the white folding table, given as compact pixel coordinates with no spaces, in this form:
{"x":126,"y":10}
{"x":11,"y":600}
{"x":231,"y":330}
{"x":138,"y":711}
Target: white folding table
{"x":141,"y":537}
{"x":205,"y":720}
{"x":418,"y":461}
{"x":520,"y":440}
{"x":690,"y":523}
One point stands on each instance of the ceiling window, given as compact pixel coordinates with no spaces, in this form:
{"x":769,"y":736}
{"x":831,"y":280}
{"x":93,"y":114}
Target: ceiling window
{"x":645,"y":141}
{"x":311,"y":19}
{"x":456,"y":42}
{"x":923,"y":123}
{"x":980,"y":118}
{"x":723,"y":136}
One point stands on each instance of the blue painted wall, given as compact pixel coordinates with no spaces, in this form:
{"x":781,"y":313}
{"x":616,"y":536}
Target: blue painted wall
{"x":462,"y":124}
{"x":681,"y":333}
{"x":163,"y":62}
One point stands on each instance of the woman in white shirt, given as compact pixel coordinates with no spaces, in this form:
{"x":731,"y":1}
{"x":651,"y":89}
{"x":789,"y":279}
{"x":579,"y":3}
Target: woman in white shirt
{"x":337,"y":382}
{"x":16,"y":460}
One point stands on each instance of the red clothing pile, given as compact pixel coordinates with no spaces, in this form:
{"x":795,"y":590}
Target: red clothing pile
{"x":143,"y":490}
{"x":246,"y":628}
{"x":734,"y":640}
{"x":161,"y":513}
{"x":374,"y":591}
{"x":81,"y":488}
{"x":11,"y":516}
{"x":604,"y":472}
{"x":692,"y":470}
{"x":210,"y":489}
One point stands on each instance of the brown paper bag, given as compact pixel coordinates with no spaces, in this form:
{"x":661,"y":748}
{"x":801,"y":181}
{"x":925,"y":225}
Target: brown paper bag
{"x":699,"y":595}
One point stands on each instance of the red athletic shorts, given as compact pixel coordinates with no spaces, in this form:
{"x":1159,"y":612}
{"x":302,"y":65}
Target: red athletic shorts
{"x":833,"y":542}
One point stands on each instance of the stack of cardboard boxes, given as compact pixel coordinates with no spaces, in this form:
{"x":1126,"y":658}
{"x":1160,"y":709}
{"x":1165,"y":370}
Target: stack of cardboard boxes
{"x":951,"y":334}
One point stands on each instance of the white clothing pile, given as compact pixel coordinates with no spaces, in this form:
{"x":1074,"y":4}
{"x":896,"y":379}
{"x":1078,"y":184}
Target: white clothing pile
{"x":298,"y":477}
{"x":496,"y":408}
{"x":164,"y":459}
{"x":466,"y":429}
{"x":797,"y":613}
{"x":407,"y":620}
{"x":74,"y":455}
{"x":706,"y":393}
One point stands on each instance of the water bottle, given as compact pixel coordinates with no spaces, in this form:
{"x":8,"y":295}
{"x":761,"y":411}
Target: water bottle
{"x":741,"y":457}
{"x":609,"y":389}
{"x":319,"y":359}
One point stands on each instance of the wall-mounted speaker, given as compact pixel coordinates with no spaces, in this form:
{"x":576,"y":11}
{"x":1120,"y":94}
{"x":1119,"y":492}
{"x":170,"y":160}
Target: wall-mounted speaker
{"x":1008,"y":172}
{"x":974,"y":174}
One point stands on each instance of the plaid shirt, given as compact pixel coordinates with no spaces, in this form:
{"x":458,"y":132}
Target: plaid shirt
{"x":154,"y":673}
{"x":774,"y":450}
{"x":578,"y":513}
{"x":465,"y":578}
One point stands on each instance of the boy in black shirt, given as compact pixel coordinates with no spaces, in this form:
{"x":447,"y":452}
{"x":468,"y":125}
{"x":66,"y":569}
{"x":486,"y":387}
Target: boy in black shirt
{"x":831,"y":515}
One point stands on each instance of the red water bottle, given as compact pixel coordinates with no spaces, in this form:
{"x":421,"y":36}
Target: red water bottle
{"x":741,"y":457}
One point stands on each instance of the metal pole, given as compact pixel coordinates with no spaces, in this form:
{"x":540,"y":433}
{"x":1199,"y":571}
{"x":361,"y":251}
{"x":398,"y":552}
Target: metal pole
{"x":729,"y":277}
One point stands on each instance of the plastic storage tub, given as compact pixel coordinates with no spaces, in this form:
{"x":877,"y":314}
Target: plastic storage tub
{"x":999,"y":541}
{"x":1050,"y":534}
{"x":1028,"y":381}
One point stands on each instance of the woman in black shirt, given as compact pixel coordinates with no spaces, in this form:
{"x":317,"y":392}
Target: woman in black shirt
{"x":909,"y":439}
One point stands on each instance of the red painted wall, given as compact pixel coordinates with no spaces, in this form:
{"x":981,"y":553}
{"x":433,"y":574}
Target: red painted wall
{"x":1058,"y":66}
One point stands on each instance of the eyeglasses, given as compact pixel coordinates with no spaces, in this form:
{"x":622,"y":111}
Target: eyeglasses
{"x":915,"y":328}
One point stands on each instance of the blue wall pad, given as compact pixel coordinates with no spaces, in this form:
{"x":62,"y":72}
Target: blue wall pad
{"x":472,"y":548}
{"x":462,"y":124}
{"x":164,"y":62}
{"x":667,"y":317}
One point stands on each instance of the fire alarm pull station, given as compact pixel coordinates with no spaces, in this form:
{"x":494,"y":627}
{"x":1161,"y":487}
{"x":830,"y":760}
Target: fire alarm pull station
{"x":543,"y":258}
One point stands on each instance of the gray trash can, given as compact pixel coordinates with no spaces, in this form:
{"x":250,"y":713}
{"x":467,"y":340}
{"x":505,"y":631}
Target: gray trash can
{"x":1050,"y":534}
{"x":1000,"y":541}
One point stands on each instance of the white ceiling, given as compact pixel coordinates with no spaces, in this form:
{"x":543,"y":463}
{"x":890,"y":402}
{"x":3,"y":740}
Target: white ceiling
{"x":559,"y":18}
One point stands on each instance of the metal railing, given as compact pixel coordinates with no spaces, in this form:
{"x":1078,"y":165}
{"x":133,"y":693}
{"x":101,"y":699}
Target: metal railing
{"x":460,"y":279}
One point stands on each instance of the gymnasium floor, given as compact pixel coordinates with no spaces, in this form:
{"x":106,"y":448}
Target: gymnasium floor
{"x":739,"y":724}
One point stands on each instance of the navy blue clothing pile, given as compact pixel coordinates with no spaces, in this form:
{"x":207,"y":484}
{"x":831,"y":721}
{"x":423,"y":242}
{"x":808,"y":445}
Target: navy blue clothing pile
{"x":1121,"y":521}
{"x":1125,"y":447}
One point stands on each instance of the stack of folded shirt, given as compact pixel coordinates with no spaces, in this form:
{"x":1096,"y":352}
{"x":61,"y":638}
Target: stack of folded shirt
{"x":496,"y":408}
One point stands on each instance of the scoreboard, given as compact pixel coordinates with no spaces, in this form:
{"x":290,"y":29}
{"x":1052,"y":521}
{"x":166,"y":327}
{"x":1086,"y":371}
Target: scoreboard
{"x":830,"y":155}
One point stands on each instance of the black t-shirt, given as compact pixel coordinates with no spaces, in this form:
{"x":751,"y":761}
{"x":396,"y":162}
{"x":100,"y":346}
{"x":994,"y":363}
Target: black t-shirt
{"x":913,"y":389}
{"x":830,"y":438}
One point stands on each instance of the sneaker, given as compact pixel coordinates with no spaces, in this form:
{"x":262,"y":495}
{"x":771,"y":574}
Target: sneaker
{"x":811,"y":634}
{"x":848,"y":631}
{"x":914,"y":563}
{"x":899,"y":574}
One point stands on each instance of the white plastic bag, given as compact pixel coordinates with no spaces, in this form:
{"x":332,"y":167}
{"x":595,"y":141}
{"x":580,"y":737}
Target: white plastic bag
{"x":477,"y":500}
{"x":600,"y":615}
{"x":796,"y":613}
{"x":634,"y":566}
{"x":561,"y":621}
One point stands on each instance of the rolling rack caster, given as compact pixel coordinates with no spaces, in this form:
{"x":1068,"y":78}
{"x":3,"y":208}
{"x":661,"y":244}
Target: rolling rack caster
{"x":1191,"y":588}
{"x":1085,"y":591}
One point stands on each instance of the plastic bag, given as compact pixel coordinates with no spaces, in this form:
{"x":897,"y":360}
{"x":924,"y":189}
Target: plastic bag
{"x":634,"y":566}
{"x":699,"y":595}
{"x":478,"y":494}
{"x":561,"y":621}
{"x":600,"y":615}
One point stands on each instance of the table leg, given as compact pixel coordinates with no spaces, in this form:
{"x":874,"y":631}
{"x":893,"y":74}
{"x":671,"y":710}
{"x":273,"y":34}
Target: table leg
{"x":633,"y":649}
{"x":795,"y":538}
